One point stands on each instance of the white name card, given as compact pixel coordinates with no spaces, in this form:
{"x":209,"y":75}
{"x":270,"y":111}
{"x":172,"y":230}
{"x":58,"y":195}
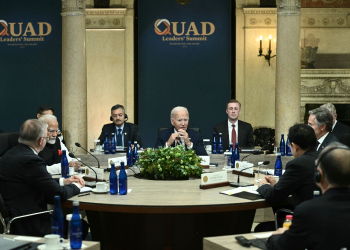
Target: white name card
{"x":239,"y":165}
{"x":205,"y":160}
{"x":117,"y":161}
{"x":212,"y":178}
{"x":91,"y":174}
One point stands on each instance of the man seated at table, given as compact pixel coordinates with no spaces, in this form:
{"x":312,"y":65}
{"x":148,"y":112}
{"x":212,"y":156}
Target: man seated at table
{"x":298,"y":178}
{"x":123,"y":131}
{"x":48,"y":110}
{"x":234,"y":130}
{"x":180,"y":134}
{"x":25,"y":183}
{"x":321,"y":120}
{"x":323,"y":222}
{"x":52,"y":152}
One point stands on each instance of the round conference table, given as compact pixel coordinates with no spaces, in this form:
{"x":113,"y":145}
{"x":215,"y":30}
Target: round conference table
{"x":159,"y":214}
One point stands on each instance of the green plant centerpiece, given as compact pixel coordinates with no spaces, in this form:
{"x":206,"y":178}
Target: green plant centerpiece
{"x":169,"y":163}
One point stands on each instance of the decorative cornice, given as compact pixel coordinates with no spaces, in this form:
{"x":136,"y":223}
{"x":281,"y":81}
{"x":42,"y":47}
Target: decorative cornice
{"x":259,"y":10}
{"x":104,"y":12}
{"x":325,"y":11}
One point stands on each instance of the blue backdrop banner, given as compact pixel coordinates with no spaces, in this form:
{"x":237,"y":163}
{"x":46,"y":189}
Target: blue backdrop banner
{"x":31,"y":58}
{"x":184,"y":60}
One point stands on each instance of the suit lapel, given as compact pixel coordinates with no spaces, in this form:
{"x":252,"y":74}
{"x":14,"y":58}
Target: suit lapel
{"x":126,"y":134}
{"x":225,"y":134}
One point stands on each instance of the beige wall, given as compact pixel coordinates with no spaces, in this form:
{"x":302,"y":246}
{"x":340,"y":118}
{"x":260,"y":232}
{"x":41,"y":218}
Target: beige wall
{"x":329,"y":29}
{"x":110,"y":66}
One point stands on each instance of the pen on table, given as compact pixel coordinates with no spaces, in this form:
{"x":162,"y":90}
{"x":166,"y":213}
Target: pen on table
{"x":83,"y":194}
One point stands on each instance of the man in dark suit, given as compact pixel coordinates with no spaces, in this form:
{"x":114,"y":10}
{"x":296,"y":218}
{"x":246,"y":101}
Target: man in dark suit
{"x":298,"y":178}
{"x":123,"y":131}
{"x":234,"y":130}
{"x":322,"y":223}
{"x":338,"y":129}
{"x":25,"y":183}
{"x":321,"y":121}
{"x":180,"y":134}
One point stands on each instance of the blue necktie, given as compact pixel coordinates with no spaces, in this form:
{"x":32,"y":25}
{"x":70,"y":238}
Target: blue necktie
{"x":119,"y":137}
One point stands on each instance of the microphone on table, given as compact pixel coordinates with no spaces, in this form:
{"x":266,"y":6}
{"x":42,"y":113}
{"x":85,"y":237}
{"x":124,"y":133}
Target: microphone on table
{"x":91,"y":183}
{"x":253,"y":152}
{"x":242,"y":184}
{"x":79,"y":146}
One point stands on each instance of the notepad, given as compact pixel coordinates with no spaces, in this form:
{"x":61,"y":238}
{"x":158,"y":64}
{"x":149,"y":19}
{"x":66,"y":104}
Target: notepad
{"x":9,"y":244}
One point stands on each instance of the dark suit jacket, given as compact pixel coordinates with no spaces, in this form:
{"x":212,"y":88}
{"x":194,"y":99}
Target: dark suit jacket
{"x":297,"y":180}
{"x":196,"y":139}
{"x":245,"y":134}
{"x":130,"y":132}
{"x":25,"y":185}
{"x":328,"y":140}
{"x":340,"y":129}
{"x":321,"y":223}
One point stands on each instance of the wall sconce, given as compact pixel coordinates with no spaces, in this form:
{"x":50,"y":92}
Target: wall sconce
{"x":268,"y":55}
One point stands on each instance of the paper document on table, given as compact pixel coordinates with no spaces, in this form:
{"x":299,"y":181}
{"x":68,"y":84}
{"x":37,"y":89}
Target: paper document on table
{"x":85,"y":189}
{"x":250,"y":189}
{"x":268,"y":171}
{"x":117,"y":161}
{"x":262,"y":236}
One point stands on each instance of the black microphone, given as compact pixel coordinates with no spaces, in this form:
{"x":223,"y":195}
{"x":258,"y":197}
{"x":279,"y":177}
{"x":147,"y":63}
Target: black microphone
{"x":91,"y":183}
{"x":238,"y":184}
{"x":253,"y":152}
{"x":79,"y":146}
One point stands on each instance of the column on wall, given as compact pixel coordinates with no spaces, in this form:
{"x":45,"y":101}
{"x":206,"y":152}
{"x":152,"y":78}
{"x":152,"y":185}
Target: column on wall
{"x":287,"y":93}
{"x":74,"y":73}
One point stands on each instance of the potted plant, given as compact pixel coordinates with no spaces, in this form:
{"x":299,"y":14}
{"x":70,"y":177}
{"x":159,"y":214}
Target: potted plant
{"x":169,"y":163}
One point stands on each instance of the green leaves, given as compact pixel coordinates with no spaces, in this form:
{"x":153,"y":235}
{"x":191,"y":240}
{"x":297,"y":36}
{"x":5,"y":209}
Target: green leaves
{"x":169,"y":163}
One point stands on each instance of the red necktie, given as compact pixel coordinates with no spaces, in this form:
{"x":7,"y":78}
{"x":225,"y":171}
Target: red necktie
{"x":233,"y":138}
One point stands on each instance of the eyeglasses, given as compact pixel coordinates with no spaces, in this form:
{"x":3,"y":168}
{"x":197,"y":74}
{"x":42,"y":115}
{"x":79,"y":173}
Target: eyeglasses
{"x":53,"y":131}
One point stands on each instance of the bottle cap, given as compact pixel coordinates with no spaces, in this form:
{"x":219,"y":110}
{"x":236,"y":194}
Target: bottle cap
{"x":282,"y":134}
{"x":75,"y":203}
{"x":316,"y":192}
{"x":112,"y":133}
{"x":57,"y":197}
{"x":278,"y":154}
{"x":289,"y":217}
{"x":214,"y":133}
{"x":220,"y":133}
{"x":135,"y":142}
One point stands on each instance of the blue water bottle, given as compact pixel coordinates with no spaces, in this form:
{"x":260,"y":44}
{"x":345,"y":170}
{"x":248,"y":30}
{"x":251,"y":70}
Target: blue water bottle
{"x":123,"y":180}
{"x":135,"y":154}
{"x":112,"y":149}
{"x":230,"y":157}
{"x":214,"y":145}
{"x":113,"y":180}
{"x":220,"y":149}
{"x":278,"y":166}
{"x":236,"y":152}
{"x":64,"y":165}
{"x":106,"y":145}
{"x":76,"y":228}
{"x":57,"y":218}
{"x":282,"y":145}
{"x":129,"y":154}
{"x":288,"y":150}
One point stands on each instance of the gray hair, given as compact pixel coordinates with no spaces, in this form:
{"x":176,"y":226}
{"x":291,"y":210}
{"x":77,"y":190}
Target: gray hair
{"x":48,"y":118}
{"x":31,"y":131}
{"x":176,"y":109}
{"x":330,"y":107}
{"x":322,"y":116}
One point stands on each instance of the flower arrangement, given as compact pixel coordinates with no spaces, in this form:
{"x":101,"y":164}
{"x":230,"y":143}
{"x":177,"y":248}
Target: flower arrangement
{"x":169,"y":163}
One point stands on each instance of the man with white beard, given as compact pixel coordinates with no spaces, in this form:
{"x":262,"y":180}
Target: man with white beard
{"x":52,"y":152}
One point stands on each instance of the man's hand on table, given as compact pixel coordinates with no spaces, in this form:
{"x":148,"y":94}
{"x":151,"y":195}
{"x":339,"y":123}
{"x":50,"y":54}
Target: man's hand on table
{"x":75,"y":164}
{"x":271,"y":180}
{"x":74,"y":179}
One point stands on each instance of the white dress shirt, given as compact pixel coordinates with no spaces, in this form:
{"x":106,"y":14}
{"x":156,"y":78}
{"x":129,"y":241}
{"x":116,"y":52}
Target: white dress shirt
{"x":321,"y":140}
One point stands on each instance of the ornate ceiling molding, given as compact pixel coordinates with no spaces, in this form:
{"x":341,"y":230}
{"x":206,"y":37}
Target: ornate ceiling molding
{"x":105,"y":18}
